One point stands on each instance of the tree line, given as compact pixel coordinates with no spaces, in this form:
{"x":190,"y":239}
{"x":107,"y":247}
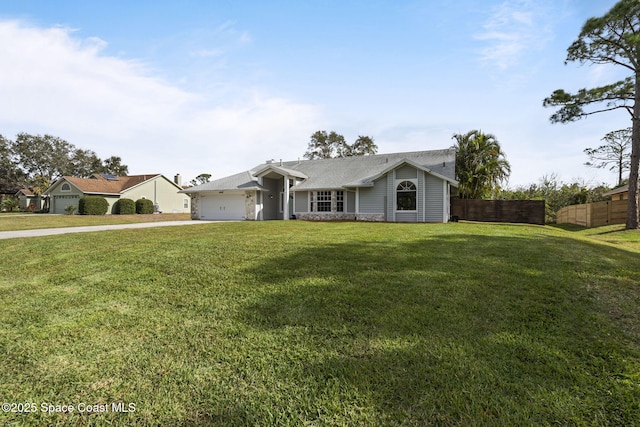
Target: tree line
{"x":325,"y":145}
{"x":36,"y":161}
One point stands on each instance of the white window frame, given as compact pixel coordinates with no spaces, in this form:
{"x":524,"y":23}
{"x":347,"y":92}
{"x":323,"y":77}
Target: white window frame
{"x":398,"y":183}
{"x":340,"y":199}
{"x":321,"y":197}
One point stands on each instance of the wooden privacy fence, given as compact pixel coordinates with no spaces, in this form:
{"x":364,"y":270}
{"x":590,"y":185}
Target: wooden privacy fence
{"x":524,"y":211}
{"x":594,"y":214}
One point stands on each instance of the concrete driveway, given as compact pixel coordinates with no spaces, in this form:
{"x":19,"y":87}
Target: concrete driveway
{"x":89,"y":229}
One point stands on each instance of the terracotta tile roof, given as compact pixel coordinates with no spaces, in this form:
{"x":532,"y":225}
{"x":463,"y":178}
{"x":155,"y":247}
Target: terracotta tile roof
{"x":98,"y":184}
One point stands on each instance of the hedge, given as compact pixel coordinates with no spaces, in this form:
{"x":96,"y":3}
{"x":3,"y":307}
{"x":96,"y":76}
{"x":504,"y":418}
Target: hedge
{"x":144,"y":206}
{"x":93,"y":205}
{"x":124,"y":207}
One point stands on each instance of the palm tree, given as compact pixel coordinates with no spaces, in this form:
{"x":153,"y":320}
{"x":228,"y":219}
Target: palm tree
{"x":480,"y":165}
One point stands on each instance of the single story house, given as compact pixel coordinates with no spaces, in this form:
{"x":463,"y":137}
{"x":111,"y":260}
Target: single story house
{"x":398,"y":187}
{"x":620,"y":193}
{"x":162,"y":191}
{"x":28,"y":200}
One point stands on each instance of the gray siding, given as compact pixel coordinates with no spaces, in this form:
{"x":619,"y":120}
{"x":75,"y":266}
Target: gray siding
{"x":434,"y":199}
{"x":420,"y":198}
{"x":406,"y":172}
{"x":302,"y":201}
{"x":391,"y":197}
{"x":372,"y":198}
{"x":406,"y":217}
{"x":351,"y":201}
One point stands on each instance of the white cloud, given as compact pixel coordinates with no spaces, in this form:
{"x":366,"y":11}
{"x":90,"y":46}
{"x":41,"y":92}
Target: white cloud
{"x":513,"y":29}
{"x":53,"y":82}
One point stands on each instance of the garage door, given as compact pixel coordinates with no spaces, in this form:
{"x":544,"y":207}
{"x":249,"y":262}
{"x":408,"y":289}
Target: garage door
{"x":222,"y":207}
{"x":61,"y":202}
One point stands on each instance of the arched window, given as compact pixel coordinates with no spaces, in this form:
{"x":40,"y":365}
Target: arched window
{"x":65,"y":187}
{"x":406,"y":196}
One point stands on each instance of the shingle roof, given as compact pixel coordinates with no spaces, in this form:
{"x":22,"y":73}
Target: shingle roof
{"x":622,"y":189}
{"x":339,"y":173}
{"x":98,"y":184}
{"x":26,"y":192}
{"x":239,"y":181}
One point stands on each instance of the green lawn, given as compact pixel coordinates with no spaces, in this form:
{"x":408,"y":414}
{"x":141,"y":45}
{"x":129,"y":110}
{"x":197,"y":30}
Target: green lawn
{"x":10,"y":221}
{"x":299,"y":323}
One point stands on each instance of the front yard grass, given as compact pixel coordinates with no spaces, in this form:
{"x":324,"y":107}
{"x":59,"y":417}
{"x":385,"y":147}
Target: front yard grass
{"x":34,"y":221}
{"x":299,"y":323}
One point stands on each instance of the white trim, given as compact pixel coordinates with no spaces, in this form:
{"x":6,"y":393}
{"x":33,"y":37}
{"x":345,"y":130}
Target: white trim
{"x":285,"y":198}
{"x":424,"y":196}
{"x":395,"y":194}
{"x":344,"y":200}
{"x":446,"y":203}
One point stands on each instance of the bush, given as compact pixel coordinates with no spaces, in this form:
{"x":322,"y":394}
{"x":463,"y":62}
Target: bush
{"x":70,"y":210}
{"x":10,"y":204}
{"x":93,"y":205}
{"x":124,"y":207}
{"x":144,"y":206}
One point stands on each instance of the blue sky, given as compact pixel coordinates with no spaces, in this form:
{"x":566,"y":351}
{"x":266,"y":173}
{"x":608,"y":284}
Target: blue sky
{"x":220,"y":86}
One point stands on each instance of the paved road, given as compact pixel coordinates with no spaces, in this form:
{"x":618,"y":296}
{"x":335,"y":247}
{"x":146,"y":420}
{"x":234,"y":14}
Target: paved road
{"x":89,"y":229}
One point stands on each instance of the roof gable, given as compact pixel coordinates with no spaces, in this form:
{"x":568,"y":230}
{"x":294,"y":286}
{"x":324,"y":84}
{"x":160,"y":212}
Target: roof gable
{"x":368,"y":181}
{"x":25,"y":192}
{"x":240,"y":181}
{"x":269,"y":167}
{"x":98,"y":184}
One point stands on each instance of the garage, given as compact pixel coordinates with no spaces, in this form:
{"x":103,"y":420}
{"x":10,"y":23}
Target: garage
{"x":60,"y":203}
{"x":223,"y":206}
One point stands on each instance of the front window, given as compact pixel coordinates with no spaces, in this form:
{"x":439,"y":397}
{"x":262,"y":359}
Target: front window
{"x":339,"y":201}
{"x":323,"y":200}
{"x":65,"y":187}
{"x":406,"y":196}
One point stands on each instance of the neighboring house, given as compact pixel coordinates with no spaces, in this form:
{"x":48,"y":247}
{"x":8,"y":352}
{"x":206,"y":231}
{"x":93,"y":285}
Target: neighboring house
{"x":162,"y":191}
{"x":399,"y":187}
{"x":28,"y":200}
{"x":7,"y":190}
{"x":620,"y":193}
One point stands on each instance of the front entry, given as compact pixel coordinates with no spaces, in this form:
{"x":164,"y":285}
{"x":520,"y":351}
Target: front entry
{"x":271,"y":198}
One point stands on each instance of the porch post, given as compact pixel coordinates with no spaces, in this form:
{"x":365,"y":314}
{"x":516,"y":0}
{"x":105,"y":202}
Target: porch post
{"x":285,"y":208}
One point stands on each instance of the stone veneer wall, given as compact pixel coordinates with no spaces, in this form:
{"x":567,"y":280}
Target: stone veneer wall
{"x":250,"y":205}
{"x":195,"y":202}
{"x":329,"y":216}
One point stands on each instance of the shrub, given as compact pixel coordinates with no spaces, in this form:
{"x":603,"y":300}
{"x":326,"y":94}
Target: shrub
{"x":10,"y":204}
{"x":124,"y":207}
{"x":70,"y":210}
{"x":144,"y":206}
{"x":93,"y":205}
